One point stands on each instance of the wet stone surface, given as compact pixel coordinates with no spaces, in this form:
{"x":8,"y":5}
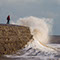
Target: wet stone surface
{"x":13,"y":38}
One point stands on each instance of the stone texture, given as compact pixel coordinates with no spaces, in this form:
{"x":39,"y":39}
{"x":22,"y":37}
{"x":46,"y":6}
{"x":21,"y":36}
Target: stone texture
{"x":13,"y":38}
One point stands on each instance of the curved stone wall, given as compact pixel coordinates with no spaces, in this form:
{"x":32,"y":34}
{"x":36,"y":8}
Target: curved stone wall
{"x":13,"y":38}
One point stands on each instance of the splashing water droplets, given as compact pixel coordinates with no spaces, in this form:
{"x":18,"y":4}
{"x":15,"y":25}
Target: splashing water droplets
{"x":38,"y":25}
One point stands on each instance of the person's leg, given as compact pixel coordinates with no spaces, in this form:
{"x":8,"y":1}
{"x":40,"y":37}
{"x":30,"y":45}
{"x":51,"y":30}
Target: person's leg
{"x":8,"y":21}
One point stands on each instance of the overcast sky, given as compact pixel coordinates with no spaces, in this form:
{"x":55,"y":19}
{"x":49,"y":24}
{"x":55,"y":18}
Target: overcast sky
{"x":38,"y":8}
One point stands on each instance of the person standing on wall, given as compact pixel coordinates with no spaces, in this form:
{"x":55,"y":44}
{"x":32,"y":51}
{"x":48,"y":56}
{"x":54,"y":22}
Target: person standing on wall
{"x":8,"y":19}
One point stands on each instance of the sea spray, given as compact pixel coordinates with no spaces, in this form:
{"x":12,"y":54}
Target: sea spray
{"x":40,"y":29}
{"x":37,"y":24}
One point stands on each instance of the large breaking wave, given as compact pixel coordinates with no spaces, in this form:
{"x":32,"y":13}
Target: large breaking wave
{"x":40,"y":29}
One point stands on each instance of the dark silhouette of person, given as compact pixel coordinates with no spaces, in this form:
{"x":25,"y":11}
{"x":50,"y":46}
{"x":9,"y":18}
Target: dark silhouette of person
{"x":8,"y":19}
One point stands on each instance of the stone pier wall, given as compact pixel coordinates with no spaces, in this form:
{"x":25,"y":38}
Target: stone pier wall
{"x":13,"y":38}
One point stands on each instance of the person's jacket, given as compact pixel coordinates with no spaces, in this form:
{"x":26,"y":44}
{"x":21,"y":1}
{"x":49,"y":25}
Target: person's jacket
{"x":8,"y":18}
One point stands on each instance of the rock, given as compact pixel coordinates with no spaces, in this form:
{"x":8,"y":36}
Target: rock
{"x":13,"y":38}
